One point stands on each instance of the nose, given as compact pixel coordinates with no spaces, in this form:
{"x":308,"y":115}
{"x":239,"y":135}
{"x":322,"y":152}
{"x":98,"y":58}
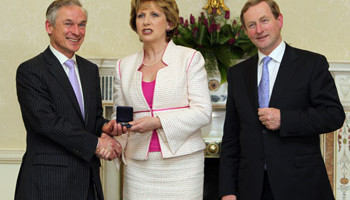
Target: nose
{"x":146,"y":20}
{"x":258,"y":28}
{"x":75,"y":29}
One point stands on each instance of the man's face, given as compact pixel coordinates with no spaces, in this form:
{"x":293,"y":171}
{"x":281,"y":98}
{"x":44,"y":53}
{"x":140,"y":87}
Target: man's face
{"x":68,"y":33}
{"x":262,"y":28}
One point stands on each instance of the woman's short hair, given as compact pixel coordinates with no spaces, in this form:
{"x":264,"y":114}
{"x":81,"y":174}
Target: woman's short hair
{"x":51,"y":12}
{"x":272,"y":4}
{"x":169,"y":7}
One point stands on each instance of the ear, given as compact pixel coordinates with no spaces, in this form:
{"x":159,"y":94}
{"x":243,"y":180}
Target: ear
{"x":48,"y":27}
{"x":169,"y":27}
{"x":280,"y":20}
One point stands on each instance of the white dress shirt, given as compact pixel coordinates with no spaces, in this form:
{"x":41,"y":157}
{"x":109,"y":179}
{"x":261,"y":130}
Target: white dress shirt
{"x":62,"y":59}
{"x":273,"y":65}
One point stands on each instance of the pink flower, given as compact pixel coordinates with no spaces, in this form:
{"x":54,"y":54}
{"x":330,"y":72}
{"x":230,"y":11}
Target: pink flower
{"x":186,"y":23}
{"x":227,"y":14}
{"x":195,"y":32}
{"x":234,"y":23}
{"x":205,"y":22}
{"x":181,"y":20}
{"x":192,"y":20}
{"x":231,"y":41}
{"x":213,"y":27}
{"x":210,"y":29}
{"x":218,"y":27}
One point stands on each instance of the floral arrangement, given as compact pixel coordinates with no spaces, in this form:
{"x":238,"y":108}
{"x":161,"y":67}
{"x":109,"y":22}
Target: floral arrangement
{"x":219,"y":39}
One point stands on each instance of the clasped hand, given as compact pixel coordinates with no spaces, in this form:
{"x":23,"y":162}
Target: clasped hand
{"x":270,"y":118}
{"x":108,"y":148}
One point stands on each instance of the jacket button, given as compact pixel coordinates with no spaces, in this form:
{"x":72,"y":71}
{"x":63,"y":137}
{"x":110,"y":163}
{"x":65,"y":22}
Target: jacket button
{"x":264,"y":132}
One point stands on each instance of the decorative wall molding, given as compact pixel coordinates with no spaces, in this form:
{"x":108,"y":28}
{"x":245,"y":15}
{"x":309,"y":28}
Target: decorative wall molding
{"x":104,"y":62}
{"x":339,"y":66}
{"x":11,"y":156}
{"x":341,"y":74}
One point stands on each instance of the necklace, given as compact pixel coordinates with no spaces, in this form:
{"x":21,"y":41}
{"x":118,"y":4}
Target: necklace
{"x":148,"y":65}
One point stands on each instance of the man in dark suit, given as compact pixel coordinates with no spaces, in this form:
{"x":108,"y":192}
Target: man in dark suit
{"x":62,"y":116}
{"x":277,"y":107}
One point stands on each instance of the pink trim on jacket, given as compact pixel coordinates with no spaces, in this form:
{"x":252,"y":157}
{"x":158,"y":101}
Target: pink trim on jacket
{"x":163,"y":109}
{"x":188,"y":67}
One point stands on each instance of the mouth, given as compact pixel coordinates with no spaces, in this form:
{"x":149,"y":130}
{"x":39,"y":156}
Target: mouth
{"x":147,"y":31}
{"x":261,"y":37}
{"x":73,"y":40}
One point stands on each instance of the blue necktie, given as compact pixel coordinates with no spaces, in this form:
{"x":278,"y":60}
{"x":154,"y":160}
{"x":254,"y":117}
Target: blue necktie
{"x":75,"y":84}
{"x":264,"y":87}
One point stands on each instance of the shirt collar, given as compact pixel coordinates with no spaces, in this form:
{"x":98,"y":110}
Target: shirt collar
{"x":276,"y":54}
{"x":60,"y":56}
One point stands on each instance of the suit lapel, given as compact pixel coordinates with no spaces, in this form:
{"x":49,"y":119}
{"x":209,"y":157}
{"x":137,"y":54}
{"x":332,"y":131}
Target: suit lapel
{"x":250,"y":77}
{"x":58,"y":72}
{"x":285,"y":72}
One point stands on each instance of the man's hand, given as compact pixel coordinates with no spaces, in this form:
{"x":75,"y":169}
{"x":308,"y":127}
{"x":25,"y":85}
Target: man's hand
{"x":113,"y":129}
{"x":108,"y":148}
{"x":270,"y":118}
{"x":229,"y":197}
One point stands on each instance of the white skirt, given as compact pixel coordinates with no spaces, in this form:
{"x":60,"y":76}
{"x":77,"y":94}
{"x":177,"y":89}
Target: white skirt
{"x":179,"y":178}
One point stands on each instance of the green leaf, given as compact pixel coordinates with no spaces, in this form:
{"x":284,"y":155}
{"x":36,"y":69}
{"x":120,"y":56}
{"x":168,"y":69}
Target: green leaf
{"x":223,"y":72}
{"x":225,"y":34}
{"x":203,"y":36}
{"x":227,"y":55}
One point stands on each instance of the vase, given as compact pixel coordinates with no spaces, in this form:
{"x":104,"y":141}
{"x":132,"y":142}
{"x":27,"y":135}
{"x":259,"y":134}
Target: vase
{"x":217,"y":90}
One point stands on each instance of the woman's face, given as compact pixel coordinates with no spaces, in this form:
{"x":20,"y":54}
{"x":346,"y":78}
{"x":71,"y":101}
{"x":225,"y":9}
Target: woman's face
{"x":151,"y":23}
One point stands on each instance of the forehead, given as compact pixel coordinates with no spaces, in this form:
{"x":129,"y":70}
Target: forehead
{"x":257,"y":11}
{"x":72,"y":13}
{"x":149,"y":5}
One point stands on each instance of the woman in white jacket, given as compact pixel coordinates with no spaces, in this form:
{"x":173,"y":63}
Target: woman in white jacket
{"x":167,"y":87}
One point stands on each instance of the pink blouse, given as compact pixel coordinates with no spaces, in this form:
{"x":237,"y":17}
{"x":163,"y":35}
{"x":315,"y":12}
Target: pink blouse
{"x":148,"y":91}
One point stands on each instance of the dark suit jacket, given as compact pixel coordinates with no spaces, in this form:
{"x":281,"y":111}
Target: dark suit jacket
{"x":307,"y":97}
{"x":59,"y":160}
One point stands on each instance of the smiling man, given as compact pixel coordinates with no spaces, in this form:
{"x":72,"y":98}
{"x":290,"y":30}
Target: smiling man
{"x":60,"y":99}
{"x":279,"y":102}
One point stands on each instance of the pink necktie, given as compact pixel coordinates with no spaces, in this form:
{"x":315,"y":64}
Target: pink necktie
{"x":75,"y":84}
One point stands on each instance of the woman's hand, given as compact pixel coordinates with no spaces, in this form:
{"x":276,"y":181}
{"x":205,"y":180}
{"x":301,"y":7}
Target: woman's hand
{"x":145,"y":124}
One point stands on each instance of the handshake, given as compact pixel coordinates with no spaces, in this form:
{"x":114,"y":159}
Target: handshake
{"x":107,"y":147}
